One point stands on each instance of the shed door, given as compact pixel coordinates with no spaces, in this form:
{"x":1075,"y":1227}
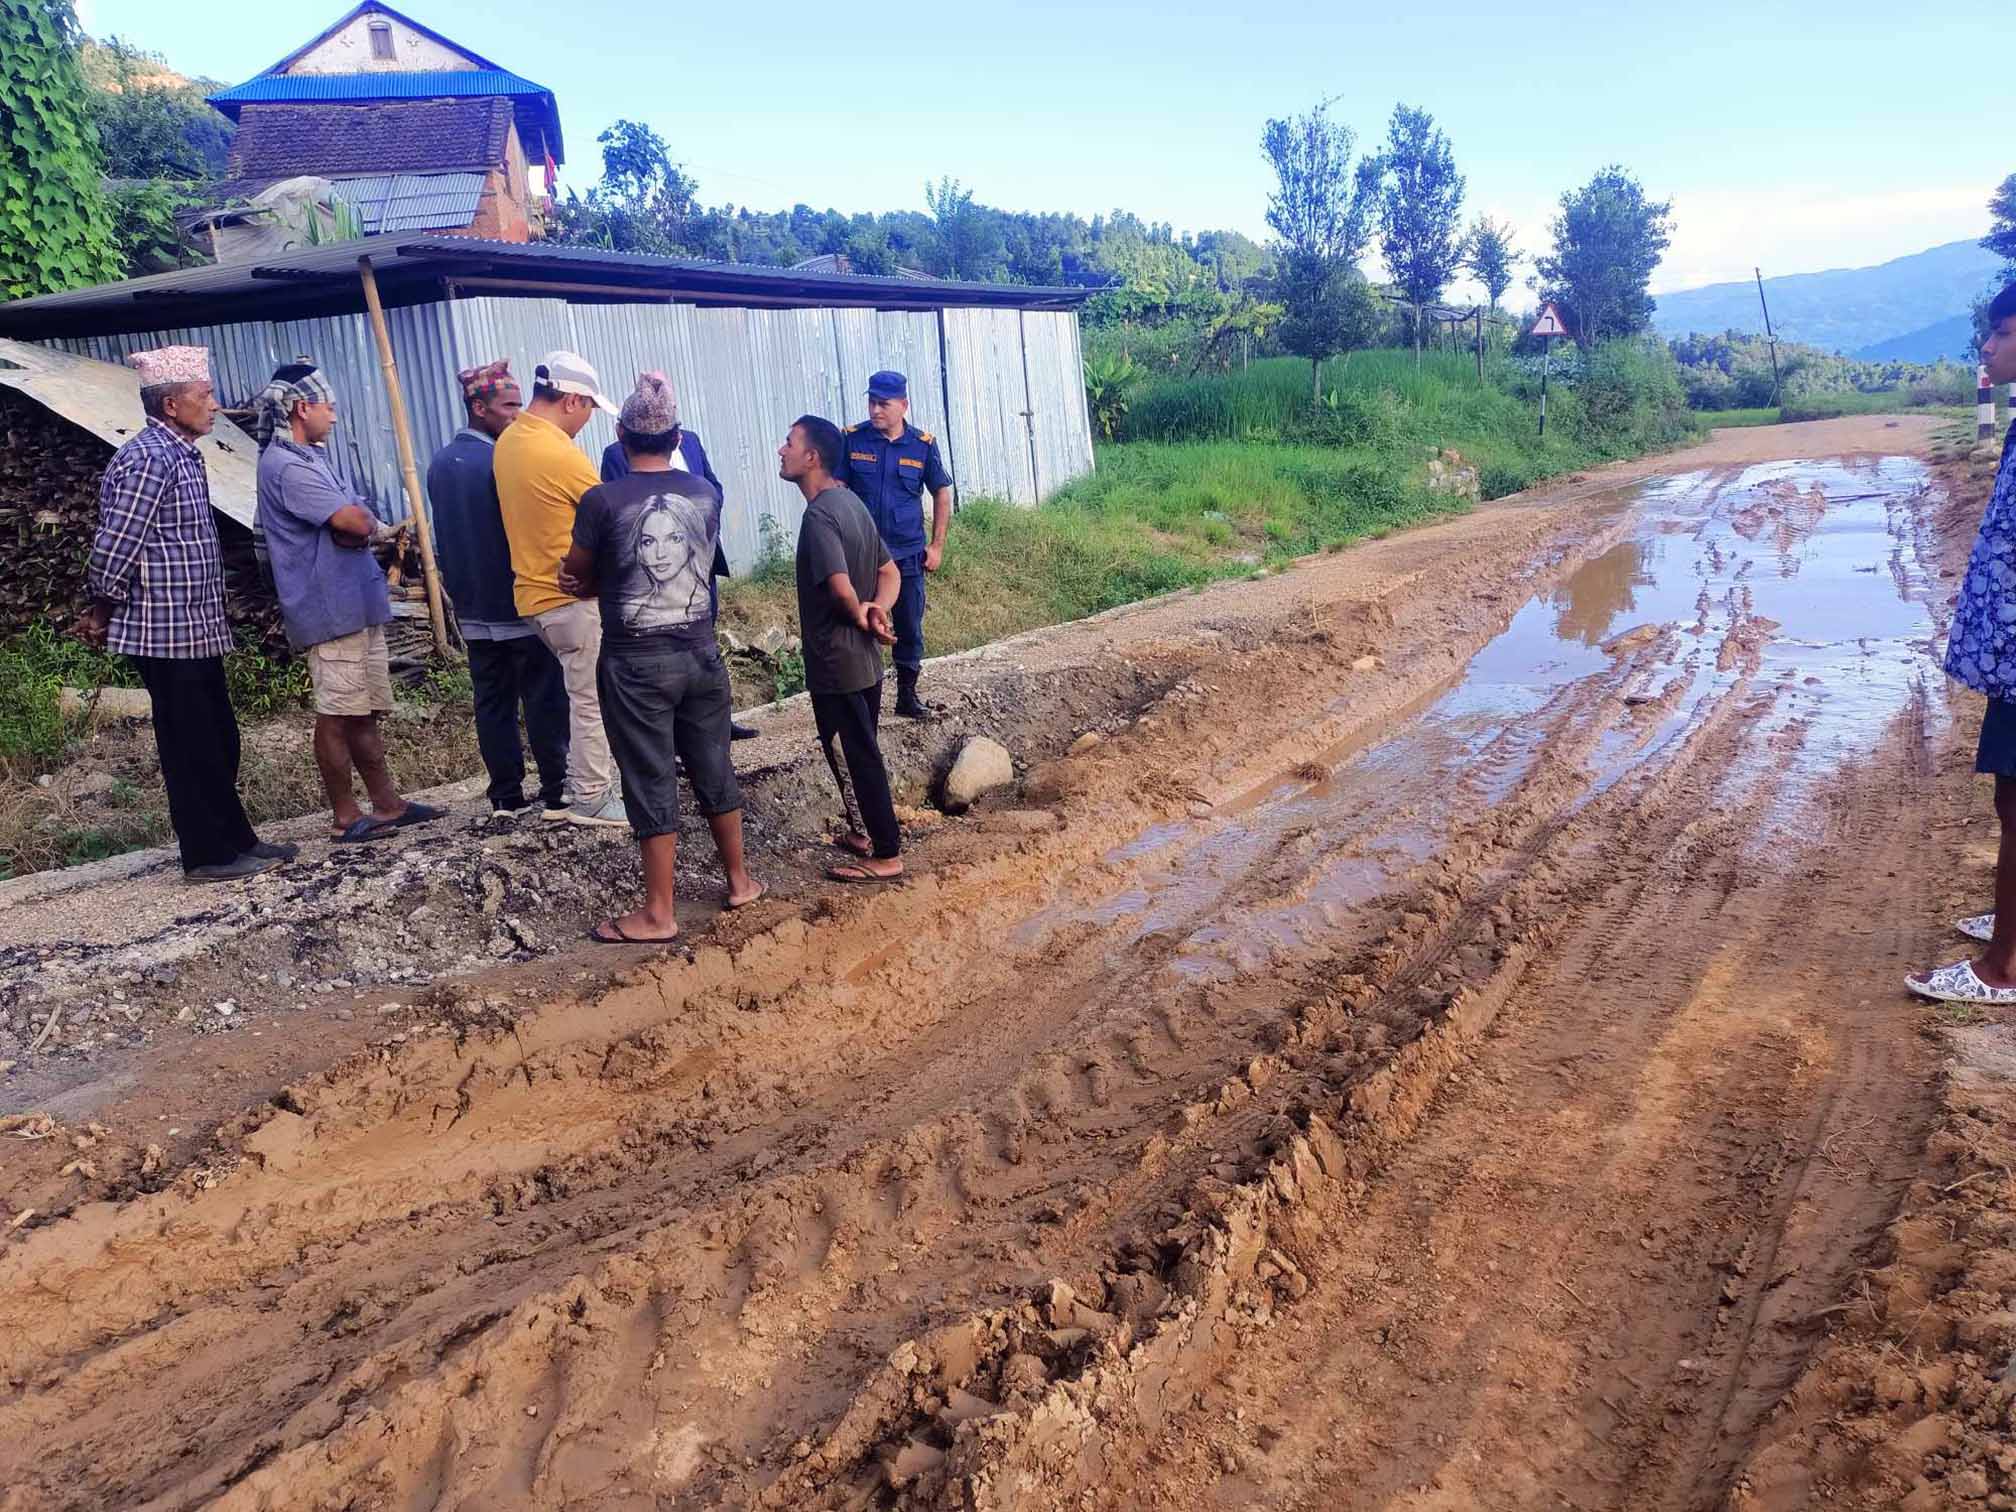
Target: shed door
{"x":988,"y":412}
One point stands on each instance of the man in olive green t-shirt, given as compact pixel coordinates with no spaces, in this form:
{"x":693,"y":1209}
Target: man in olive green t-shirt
{"x":541,"y":476}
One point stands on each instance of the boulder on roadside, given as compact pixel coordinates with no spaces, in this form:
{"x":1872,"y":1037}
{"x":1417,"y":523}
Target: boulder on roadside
{"x":105,"y":703}
{"x":981,"y":766}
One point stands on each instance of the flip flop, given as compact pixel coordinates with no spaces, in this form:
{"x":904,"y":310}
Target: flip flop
{"x":361,"y":830}
{"x":762,"y":892}
{"x":859,"y":874}
{"x":1958,"y":984}
{"x":864,"y":850}
{"x":1981,"y":927}
{"x":417,"y":813}
{"x":600,"y":938}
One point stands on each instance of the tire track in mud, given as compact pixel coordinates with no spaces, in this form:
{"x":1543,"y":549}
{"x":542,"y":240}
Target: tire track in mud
{"x":291,"y":1250}
{"x":841,"y":1293}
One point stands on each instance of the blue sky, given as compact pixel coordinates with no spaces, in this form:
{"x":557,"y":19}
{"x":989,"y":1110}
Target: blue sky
{"x":1822,"y":138}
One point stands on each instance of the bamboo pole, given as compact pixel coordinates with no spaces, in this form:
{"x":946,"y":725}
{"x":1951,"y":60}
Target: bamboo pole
{"x":402,"y":435}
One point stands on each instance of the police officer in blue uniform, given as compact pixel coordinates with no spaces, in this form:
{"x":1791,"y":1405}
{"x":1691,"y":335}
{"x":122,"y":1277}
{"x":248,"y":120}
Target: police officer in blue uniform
{"x":890,"y":464}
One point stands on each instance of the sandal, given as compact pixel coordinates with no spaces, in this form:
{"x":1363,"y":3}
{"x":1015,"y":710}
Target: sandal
{"x":621,"y":938}
{"x":864,"y":850}
{"x":1981,"y":927}
{"x":358,"y":831}
{"x":762,"y":892}
{"x":417,"y":813}
{"x":859,"y":874}
{"x":1958,"y":984}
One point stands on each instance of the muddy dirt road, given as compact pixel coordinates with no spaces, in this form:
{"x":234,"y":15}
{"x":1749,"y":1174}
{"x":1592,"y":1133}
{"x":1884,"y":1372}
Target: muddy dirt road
{"x":1440,"y":1047}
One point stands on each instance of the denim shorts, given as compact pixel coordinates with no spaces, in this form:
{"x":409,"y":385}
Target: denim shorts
{"x":664,"y":703}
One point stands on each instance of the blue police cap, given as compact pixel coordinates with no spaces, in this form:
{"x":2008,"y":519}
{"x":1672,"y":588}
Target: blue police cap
{"x":887,"y":385}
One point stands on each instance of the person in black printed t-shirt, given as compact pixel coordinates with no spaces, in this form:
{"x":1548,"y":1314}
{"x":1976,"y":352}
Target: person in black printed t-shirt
{"x":644,"y":545}
{"x":847,"y":585}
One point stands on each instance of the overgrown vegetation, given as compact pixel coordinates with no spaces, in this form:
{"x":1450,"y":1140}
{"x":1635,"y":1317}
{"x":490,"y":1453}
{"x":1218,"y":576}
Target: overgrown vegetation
{"x":1733,"y":371}
{"x":55,"y":230}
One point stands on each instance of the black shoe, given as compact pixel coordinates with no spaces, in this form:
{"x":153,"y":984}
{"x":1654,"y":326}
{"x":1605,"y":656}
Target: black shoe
{"x":908,"y":704}
{"x":273,"y":850}
{"x":741,"y":731}
{"x":247,"y":865}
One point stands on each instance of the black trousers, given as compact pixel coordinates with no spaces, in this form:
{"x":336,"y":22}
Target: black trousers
{"x":508,"y":675}
{"x":847,"y":723}
{"x":196,"y":732}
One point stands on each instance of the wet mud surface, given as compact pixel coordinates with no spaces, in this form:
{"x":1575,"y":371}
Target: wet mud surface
{"x":1439,"y":1046}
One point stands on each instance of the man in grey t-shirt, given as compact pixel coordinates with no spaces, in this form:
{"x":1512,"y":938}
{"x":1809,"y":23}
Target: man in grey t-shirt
{"x":333,"y":598}
{"x":847,"y":585}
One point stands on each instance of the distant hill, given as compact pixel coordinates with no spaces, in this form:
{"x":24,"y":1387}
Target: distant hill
{"x":1952,"y":338}
{"x":1909,"y":299}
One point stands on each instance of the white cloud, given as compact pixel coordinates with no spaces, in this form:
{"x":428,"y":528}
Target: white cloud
{"x":1720,"y":235}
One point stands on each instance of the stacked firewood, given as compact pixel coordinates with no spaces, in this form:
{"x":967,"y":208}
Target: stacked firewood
{"x":49,"y":473}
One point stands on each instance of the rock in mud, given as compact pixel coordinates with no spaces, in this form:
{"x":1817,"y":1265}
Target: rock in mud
{"x":982,"y":766}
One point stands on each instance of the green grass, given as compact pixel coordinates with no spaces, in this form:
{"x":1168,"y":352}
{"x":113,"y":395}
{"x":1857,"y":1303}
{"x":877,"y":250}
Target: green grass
{"x":1218,"y":477}
{"x":1732,"y":418}
{"x":1831,"y":407}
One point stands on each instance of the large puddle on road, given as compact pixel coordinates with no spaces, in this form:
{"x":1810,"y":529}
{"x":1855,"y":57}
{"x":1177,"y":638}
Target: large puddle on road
{"x":1797,"y":589}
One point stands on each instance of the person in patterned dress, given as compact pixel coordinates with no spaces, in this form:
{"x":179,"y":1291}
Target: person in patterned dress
{"x":1981,"y":654}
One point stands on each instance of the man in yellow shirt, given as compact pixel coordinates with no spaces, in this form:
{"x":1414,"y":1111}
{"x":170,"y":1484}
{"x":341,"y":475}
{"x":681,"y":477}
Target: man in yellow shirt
{"x":541,"y":476}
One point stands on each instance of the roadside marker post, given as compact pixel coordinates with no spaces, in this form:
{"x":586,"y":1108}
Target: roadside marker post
{"x":1547,"y":327}
{"x":1984,"y":404}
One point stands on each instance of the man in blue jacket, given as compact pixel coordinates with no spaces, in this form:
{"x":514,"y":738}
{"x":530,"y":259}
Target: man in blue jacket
{"x":687,"y":456}
{"x":893,"y":467}
{"x":509,"y":665}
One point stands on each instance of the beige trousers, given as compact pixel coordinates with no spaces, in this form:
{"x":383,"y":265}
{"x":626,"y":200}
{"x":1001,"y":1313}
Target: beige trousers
{"x":573,"y":633}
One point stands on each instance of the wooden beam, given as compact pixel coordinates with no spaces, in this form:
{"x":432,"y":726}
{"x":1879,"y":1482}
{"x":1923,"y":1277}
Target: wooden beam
{"x":409,"y":471}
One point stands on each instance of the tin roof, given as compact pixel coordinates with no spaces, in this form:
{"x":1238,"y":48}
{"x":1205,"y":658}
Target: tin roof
{"x":389,"y":202}
{"x":420,"y":270}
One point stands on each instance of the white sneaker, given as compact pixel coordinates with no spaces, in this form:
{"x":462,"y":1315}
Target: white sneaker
{"x":555,"y":815}
{"x":608,"y":809}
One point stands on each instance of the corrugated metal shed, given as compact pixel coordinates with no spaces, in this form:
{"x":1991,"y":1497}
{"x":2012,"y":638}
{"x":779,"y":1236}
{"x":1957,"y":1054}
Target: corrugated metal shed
{"x":389,"y":202}
{"x":414,"y":270}
{"x":994,"y":369}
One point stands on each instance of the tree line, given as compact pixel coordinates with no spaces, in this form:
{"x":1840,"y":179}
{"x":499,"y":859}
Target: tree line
{"x":121,"y":148}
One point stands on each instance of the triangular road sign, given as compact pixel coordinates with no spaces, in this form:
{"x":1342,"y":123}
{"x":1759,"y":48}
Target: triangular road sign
{"x":1549,"y":323}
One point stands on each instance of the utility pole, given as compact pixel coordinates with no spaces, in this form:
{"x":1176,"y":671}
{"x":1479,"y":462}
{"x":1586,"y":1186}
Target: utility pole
{"x":1769,"y":334}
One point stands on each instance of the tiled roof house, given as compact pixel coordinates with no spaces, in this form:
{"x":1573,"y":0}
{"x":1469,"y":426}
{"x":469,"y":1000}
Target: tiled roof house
{"x":418,"y":132}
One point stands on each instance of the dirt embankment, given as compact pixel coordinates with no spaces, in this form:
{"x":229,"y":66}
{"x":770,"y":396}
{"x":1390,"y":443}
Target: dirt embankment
{"x":1440,"y":1041}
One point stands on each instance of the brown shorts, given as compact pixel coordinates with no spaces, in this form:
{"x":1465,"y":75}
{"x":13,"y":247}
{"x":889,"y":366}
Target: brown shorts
{"x":352,"y":674}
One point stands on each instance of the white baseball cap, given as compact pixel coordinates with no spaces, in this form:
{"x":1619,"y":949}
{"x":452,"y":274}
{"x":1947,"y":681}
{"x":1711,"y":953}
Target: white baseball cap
{"x":570,"y":373}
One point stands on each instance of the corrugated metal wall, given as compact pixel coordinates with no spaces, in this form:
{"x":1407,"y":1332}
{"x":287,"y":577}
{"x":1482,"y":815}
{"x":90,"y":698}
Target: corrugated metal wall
{"x":1006,"y":398}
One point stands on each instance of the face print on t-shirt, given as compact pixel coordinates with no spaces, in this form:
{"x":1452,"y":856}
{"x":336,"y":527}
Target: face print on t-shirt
{"x":665,"y":552}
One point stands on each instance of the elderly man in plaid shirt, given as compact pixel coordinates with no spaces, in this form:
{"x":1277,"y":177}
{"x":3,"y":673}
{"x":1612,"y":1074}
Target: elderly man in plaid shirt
{"x":157,"y":596}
